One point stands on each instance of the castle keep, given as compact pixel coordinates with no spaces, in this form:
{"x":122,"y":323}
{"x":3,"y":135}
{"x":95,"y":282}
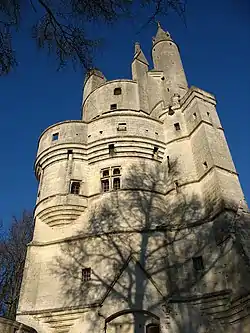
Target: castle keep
{"x":139,"y":212}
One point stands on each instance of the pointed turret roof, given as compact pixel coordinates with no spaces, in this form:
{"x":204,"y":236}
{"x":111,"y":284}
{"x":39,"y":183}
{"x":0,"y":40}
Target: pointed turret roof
{"x":161,"y":35}
{"x":139,"y":55}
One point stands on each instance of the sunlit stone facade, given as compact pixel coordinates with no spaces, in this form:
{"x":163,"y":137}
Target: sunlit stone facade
{"x":139,"y":211}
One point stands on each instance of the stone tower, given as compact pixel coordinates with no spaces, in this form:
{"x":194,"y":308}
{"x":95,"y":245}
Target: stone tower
{"x":140,"y":215}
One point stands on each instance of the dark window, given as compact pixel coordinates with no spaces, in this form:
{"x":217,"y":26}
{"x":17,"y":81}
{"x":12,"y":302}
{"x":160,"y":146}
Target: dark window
{"x":156,"y":150}
{"x":86,"y":274}
{"x":152,"y":328}
{"x":105,"y":185}
{"x":70,"y":151}
{"x":113,"y":106}
{"x":117,"y":91}
{"x":116,"y":184}
{"x":111,"y":149}
{"x":194,"y":115}
{"x":177,"y":126}
{"x":75,"y":188}
{"x":55,"y":136}
{"x":205,"y":165}
{"x":168,"y":159}
{"x":208,"y":114}
{"x":122,"y":127}
{"x":198,"y":263}
{"x":116,"y":171}
{"x":105,"y":173}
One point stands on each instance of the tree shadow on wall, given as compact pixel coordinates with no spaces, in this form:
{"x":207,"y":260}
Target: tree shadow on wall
{"x":144,"y":246}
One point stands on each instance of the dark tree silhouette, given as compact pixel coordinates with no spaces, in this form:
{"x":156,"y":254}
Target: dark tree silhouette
{"x":62,"y":26}
{"x":13,"y":245}
{"x":136,"y":239}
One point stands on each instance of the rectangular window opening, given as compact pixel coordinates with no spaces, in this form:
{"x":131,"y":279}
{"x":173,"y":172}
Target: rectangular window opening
{"x":116,"y":184}
{"x":75,"y":187}
{"x":113,"y":106}
{"x":111,"y":149}
{"x":194,"y":115}
{"x":116,"y":171}
{"x":105,"y":173}
{"x":121,"y":127}
{"x":55,"y":136}
{"x":198,"y":264}
{"x":105,"y":185}
{"x":177,"y":126}
{"x":86,"y":274}
{"x":117,"y":91}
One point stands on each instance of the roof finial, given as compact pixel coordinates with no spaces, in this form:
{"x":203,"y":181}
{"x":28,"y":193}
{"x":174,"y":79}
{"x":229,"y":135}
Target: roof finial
{"x":158,"y":24}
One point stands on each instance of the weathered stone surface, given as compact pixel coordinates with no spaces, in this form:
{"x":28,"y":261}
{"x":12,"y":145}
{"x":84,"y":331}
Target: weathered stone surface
{"x":168,"y":247}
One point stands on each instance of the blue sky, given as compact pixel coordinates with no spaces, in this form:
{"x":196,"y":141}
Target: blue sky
{"x":215,"y":49}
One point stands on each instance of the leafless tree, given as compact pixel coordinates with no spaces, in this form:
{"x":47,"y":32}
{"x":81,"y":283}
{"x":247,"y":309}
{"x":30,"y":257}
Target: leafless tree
{"x":162,"y":235}
{"x":13,"y":246}
{"x":62,"y":26}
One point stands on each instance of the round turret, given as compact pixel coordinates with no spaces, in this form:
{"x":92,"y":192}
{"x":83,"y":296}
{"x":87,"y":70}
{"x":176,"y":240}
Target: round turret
{"x":166,"y":58}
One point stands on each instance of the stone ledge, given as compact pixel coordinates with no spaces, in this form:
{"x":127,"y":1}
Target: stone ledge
{"x":12,"y":326}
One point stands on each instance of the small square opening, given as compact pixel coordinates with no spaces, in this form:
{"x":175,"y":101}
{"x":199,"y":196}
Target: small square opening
{"x":117,"y":91}
{"x":177,"y":126}
{"x":198,"y":263}
{"x":86,"y":274}
{"x":55,"y":136}
{"x":116,"y":171}
{"x":113,"y":106}
{"x":105,"y":173}
{"x":75,"y":187}
{"x":121,"y":127}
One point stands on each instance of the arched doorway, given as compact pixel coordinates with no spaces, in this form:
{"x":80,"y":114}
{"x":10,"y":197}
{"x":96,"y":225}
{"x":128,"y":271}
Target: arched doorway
{"x":132,"y":321}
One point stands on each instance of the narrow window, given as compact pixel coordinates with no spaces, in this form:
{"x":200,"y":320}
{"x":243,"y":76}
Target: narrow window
{"x":168,"y":159}
{"x":155,"y":152}
{"x":105,"y":173}
{"x":86,"y":274}
{"x":116,"y":183}
{"x":177,"y":126}
{"x":117,"y":91}
{"x":156,"y":133}
{"x":100,"y":132}
{"x":205,"y":166}
{"x":152,"y":328}
{"x":75,"y":187}
{"x":208,"y":114}
{"x":55,"y":136}
{"x":122,"y":127}
{"x":116,"y":171}
{"x":111,"y":149}
{"x":113,"y":106}
{"x":105,"y":185}
{"x":198,"y":264}
{"x":70,"y":154}
{"x":176,"y":184}
{"x":194,"y":115}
